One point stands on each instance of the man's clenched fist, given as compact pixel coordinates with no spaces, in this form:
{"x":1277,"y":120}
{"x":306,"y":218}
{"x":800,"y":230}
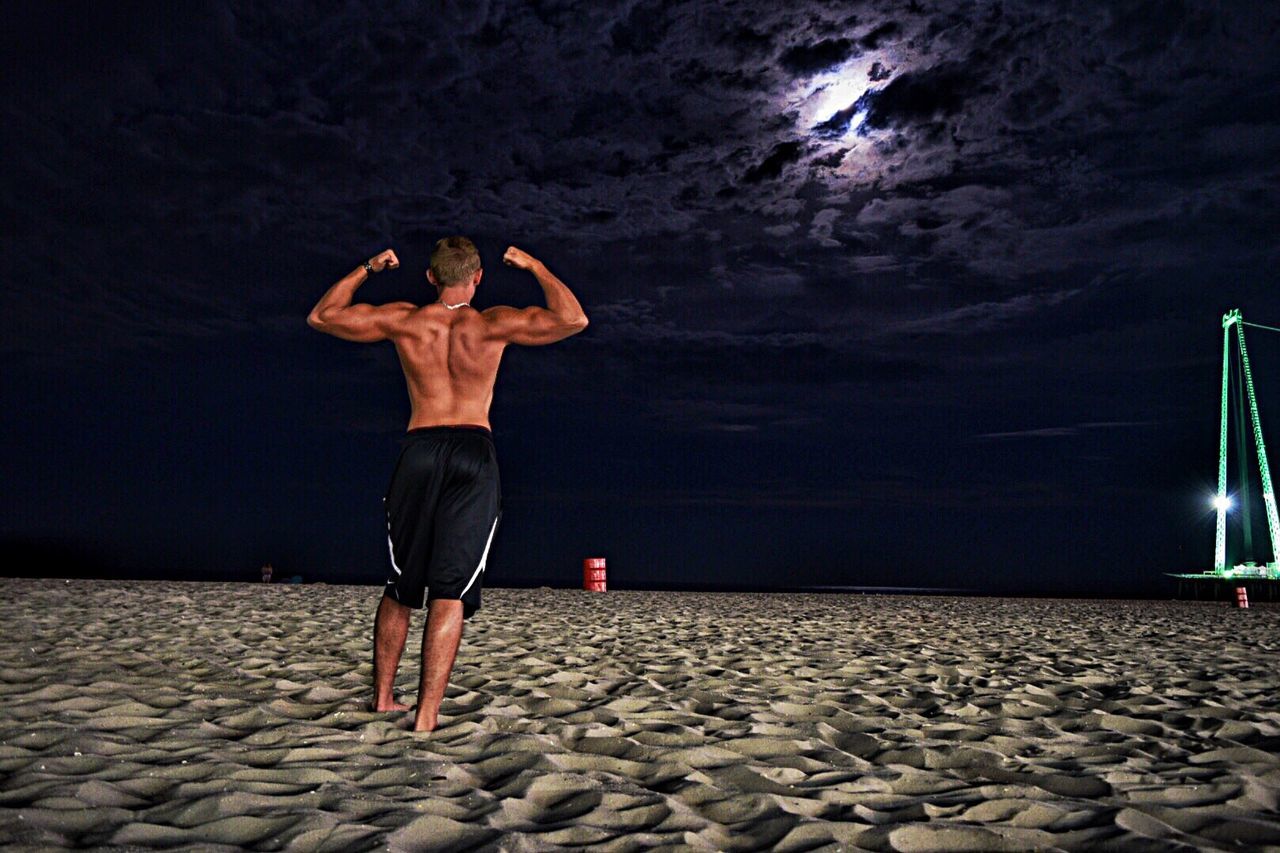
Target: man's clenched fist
{"x":384,"y":260}
{"x":518,"y":259}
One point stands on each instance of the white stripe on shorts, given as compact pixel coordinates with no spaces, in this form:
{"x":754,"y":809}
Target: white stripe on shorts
{"x":483,"y":557}
{"x":390,"y":549}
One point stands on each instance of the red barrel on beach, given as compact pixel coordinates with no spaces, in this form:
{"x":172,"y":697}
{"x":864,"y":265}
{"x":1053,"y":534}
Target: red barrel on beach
{"x":593,"y":572}
{"x":1242,"y":597}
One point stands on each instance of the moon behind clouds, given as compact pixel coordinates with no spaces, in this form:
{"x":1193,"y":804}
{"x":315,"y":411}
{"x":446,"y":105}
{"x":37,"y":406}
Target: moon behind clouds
{"x":832,"y":108}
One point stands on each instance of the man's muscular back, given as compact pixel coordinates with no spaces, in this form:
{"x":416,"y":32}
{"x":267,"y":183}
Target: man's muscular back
{"x":450,"y":360}
{"x":450,"y":355}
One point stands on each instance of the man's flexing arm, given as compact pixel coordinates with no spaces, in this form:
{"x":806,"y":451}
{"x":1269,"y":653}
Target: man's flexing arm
{"x":335,"y":315}
{"x":534,"y":326}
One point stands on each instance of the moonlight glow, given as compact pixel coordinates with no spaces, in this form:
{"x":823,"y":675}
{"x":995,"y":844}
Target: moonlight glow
{"x":826,"y":107}
{"x":835,"y":95}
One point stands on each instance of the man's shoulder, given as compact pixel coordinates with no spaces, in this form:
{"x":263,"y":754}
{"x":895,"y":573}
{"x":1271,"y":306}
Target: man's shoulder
{"x":398,"y":318}
{"x":500,"y":316}
{"x":502,"y":321}
{"x":396,"y":310}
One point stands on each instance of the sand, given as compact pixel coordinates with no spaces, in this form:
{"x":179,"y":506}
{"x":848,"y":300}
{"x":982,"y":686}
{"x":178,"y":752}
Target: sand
{"x":141,"y":715}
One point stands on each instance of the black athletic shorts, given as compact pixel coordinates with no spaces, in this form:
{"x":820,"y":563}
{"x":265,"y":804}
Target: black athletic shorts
{"x":442,"y":508}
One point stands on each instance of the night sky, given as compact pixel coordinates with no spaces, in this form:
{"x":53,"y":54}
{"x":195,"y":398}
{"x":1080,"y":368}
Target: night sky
{"x":912,"y":294}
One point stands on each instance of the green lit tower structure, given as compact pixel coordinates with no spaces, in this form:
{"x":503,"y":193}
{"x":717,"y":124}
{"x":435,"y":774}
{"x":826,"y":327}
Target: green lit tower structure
{"x":1233,"y":343}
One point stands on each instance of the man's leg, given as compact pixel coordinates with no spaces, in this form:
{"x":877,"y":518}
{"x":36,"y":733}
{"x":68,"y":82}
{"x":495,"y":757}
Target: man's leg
{"x":390,"y":627}
{"x":440,"y":640}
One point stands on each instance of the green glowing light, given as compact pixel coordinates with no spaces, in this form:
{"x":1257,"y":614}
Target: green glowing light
{"x":1233,"y":321}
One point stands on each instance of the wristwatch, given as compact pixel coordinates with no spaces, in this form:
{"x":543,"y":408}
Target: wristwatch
{"x":368,"y":267}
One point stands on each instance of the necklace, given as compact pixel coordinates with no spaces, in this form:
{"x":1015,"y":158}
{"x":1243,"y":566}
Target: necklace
{"x":455,"y":307}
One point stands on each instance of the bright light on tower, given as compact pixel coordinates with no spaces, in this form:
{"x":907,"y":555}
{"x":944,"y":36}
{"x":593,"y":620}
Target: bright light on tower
{"x":1222,"y":503}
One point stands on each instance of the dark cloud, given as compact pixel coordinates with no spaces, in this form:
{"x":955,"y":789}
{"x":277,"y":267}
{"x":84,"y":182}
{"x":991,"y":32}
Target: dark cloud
{"x":812,"y":58}
{"x":643,"y":30}
{"x":984,"y":316}
{"x":879,"y":35}
{"x":771,"y":166}
{"x":916,"y":97}
{"x":1064,"y":432}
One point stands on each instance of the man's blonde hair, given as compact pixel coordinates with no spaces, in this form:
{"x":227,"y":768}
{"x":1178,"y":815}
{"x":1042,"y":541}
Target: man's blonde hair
{"x":453,"y":260}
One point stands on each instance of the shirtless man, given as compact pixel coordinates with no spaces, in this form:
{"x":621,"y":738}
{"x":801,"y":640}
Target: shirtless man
{"x":444,"y":500}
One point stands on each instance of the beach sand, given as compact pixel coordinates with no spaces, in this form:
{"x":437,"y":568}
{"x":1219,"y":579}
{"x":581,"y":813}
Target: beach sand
{"x":226,"y":716}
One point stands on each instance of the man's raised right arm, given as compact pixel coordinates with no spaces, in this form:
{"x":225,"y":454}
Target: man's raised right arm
{"x":535,"y":326}
{"x":335,"y":315}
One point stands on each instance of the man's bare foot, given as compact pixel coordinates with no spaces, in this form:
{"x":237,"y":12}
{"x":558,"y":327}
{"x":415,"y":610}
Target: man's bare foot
{"x":383,"y":707}
{"x":424,"y":723}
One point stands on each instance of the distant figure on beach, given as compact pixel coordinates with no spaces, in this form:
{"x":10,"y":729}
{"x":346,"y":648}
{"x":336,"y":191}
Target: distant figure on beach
{"x":444,"y":500}
{"x":266,"y":573}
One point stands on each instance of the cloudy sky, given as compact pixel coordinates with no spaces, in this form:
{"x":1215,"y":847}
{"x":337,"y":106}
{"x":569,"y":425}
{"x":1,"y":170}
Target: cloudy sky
{"x":887,"y":293}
